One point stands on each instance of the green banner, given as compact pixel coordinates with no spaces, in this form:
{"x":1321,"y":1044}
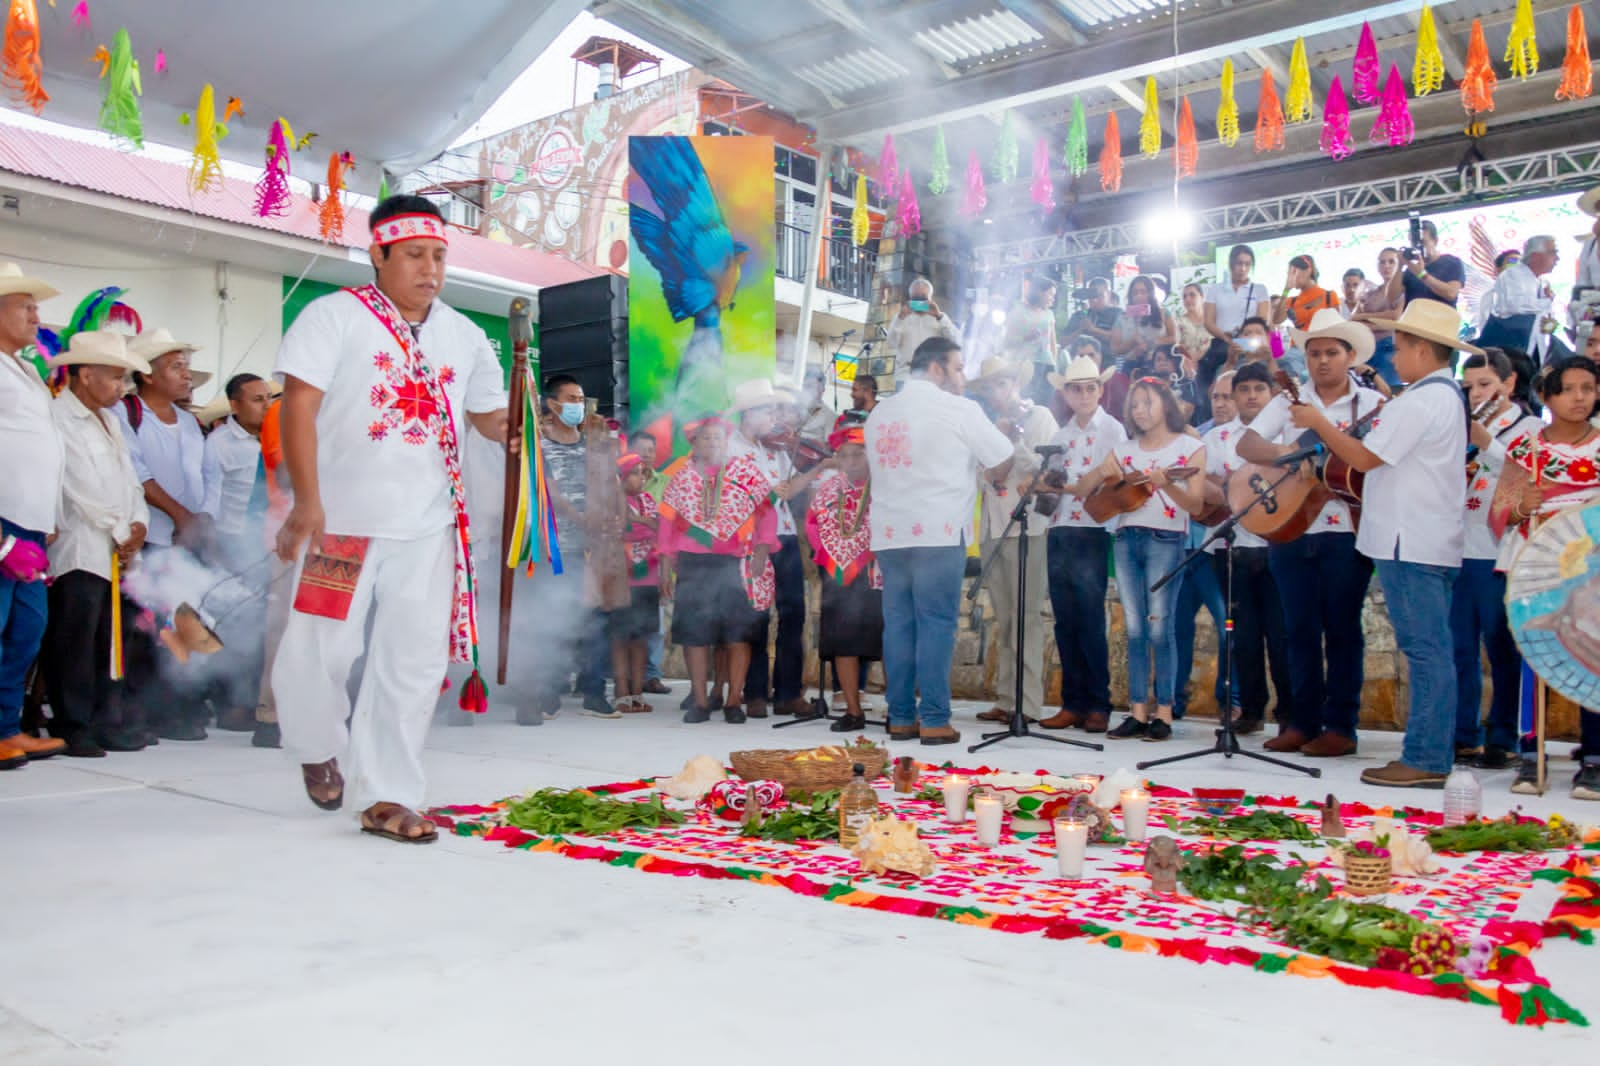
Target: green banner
{"x":498,"y":327}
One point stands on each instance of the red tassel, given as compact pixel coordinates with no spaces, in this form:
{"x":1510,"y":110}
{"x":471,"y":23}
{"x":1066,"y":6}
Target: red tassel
{"x":474,"y":695}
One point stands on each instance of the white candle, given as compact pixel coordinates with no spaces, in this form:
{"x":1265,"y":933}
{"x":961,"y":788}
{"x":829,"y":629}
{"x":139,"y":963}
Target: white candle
{"x":1072,"y":840}
{"x":956,"y":788}
{"x":1135,"y":813}
{"x":989,"y":812}
{"x":1087,"y":782}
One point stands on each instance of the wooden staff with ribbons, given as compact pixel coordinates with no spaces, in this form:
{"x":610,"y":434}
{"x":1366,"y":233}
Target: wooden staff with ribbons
{"x":521,"y":316}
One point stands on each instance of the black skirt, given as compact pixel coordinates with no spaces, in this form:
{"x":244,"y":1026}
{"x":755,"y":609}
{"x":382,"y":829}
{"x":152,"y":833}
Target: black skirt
{"x":852,"y":619}
{"x":640,"y":620}
{"x":712,"y":607}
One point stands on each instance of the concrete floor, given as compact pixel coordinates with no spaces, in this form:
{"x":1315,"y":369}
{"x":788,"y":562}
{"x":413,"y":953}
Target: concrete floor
{"x":188,"y":905}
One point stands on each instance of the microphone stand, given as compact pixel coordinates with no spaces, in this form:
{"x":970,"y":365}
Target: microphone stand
{"x":1227,"y":742}
{"x":1018,"y":726}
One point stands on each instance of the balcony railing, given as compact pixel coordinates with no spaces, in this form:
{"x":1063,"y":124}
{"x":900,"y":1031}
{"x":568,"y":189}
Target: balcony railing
{"x":849,"y":269}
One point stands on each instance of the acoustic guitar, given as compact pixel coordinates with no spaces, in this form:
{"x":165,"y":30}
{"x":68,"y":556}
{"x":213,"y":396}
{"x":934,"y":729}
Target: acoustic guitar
{"x":1125,"y":494}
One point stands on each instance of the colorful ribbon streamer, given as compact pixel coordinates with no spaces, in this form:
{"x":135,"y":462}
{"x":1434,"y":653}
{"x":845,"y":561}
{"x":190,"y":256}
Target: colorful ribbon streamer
{"x":116,"y":665}
{"x":533,"y":532}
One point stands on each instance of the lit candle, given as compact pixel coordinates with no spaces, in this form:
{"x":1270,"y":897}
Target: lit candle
{"x":1135,"y":813}
{"x":989,"y":812}
{"x":1072,"y":840}
{"x":956,"y":788}
{"x":1087,"y":782}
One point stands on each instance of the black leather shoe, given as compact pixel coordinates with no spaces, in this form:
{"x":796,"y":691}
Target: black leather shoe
{"x":267,"y":736}
{"x":83,"y":746}
{"x":1156,"y":729}
{"x":1129,"y":728}
{"x":695,"y":715}
{"x":733,"y":715}
{"x":122,"y":742}
{"x":183,"y":731}
{"x":850,"y":723}
{"x":1495,"y":757}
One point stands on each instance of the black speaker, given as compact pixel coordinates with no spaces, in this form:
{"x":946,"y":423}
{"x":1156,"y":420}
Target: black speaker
{"x":583,"y":331}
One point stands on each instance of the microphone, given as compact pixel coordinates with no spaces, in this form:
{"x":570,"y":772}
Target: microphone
{"x":848,"y":334}
{"x":1300,"y":455}
{"x":1049,"y":451}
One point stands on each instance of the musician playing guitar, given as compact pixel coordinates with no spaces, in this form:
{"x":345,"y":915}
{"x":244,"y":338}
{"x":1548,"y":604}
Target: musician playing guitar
{"x":1321,"y":578}
{"x":1149,"y":544}
{"x":1412,"y":526}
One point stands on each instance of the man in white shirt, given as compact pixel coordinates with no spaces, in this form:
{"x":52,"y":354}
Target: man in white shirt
{"x":1522,"y":297}
{"x":30,"y":494}
{"x":1589,"y":253}
{"x":1029,"y":426}
{"x":1412,"y":528}
{"x":1079,"y":555}
{"x":103,"y":517}
{"x":918,"y":320}
{"x":1321,"y":577}
{"x":379,"y":383}
{"x":817,"y":415}
{"x":927,"y":445}
{"x":235,"y":481}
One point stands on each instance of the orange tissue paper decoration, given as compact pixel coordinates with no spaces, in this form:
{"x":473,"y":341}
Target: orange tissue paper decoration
{"x":331,"y":217}
{"x":20,"y":66}
{"x":1269,"y":116}
{"x":1111,"y":156}
{"x":1477,"y":84}
{"x":1522,"y":46}
{"x":1577,"y":75}
{"x":1188,"y":143}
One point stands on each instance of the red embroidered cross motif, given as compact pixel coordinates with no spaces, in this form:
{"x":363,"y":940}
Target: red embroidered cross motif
{"x":403,"y":404}
{"x":1473,"y":503}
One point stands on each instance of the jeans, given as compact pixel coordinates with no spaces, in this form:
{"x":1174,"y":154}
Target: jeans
{"x":1383,"y":362}
{"x":24,"y":606}
{"x":1322,"y":581}
{"x":788,"y":657}
{"x":921,"y":602}
{"x":1078,"y":564}
{"x":1143,"y":556}
{"x":1418,"y":596}
{"x":1478,"y":615}
{"x":1198,"y":587}
{"x":1260,"y":637}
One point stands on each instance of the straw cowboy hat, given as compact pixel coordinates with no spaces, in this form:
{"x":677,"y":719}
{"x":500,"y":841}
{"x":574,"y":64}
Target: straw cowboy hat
{"x":152,"y":344}
{"x":996,"y":367}
{"x":1080,"y":369}
{"x":13,"y":280}
{"x":1433,"y":321}
{"x":218,"y":407}
{"x":759,"y":392}
{"x":1328,"y":322}
{"x":1588,"y":203}
{"x":98,"y":347}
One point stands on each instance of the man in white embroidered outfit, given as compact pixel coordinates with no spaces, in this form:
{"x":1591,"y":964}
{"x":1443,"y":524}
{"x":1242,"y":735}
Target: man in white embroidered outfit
{"x":378,"y":382}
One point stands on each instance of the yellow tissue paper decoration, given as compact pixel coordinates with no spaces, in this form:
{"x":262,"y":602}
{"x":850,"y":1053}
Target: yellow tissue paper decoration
{"x":1297,"y":105}
{"x":1227,"y":108}
{"x":860,"y":221}
{"x":1522,"y":47}
{"x":1427,"y":72}
{"x":1150,"y":125}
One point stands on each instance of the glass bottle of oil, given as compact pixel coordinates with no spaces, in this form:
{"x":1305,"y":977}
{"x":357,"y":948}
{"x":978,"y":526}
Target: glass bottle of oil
{"x":858,"y":805}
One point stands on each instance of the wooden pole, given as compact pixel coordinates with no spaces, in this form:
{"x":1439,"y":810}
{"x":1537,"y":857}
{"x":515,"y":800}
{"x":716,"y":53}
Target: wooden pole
{"x":521,"y":337}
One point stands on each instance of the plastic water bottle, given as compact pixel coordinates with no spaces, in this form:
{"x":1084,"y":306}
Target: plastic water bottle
{"x":1463,"y":797}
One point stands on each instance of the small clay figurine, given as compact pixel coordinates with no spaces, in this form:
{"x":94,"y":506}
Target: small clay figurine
{"x":752,"y":807}
{"x":1162,"y":859}
{"x":1332,"y":824}
{"x":1097,"y":819}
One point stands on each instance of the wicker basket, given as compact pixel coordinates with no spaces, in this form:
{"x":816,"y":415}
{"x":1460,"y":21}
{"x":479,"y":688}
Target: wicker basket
{"x":812,"y":775}
{"x":1367,"y":875}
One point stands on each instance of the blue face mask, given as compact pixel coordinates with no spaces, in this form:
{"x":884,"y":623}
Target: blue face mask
{"x":572,"y":414}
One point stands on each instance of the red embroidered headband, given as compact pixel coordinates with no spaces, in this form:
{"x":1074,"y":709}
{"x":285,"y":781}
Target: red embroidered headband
{"x":627,"y":463}
{"x":409,"y":228}
{"x":850,"y":434}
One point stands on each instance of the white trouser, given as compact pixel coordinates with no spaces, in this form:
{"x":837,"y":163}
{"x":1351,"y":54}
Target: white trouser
{"x":405,"y":585}
{"x":1003,"y":595}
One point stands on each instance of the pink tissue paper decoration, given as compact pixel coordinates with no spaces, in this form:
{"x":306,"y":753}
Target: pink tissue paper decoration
{"x":273,"y":197}
{"x":80,"y":15}
{"x":910,"y":211}
{"x":888,"y":165}
{"x":1394,"y":113}
{"x":1364,"y":79}
{"x":1043,"y":189}
{"x":1336,"y":122}
{"x":975,"y":199}
{"x":161,"y":61}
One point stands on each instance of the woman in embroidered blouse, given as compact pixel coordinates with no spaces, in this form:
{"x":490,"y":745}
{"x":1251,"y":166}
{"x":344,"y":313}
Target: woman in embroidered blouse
{"x":851,"y":632}
{"x":1149,"y":543}
{"x":717,"y":529}
{"x":1545,"y":472}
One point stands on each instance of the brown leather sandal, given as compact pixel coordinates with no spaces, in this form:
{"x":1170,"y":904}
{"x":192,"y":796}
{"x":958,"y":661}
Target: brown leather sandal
{"x":394,"y":822}
{"x":324,"y":783}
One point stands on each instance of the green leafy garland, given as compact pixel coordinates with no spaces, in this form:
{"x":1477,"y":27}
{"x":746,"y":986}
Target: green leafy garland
{"x":1257,"y":825}
{"x":556,"y":812}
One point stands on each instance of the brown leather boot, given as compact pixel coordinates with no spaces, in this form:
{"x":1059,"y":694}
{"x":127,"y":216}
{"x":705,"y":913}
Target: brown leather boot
{"x":1329,"y":745}
{"x":1289,"y":739}
{"x":1065,"y":719}
{"x":1096,"y":722}
{"x":939,"y":734}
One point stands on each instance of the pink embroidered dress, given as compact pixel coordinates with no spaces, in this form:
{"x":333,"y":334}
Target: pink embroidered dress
{"x":840,"y":533}
{"x":727,"y":511}
{"x":640,"y":540}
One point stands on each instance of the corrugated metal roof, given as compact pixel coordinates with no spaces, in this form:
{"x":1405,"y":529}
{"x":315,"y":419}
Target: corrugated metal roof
{"x":851,"y":73}
{"x":149,"y":181}
{"x":979,"y":37}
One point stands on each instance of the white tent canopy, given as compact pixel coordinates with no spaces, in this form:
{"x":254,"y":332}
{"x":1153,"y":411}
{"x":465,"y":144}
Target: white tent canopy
{"x":392,"y":82}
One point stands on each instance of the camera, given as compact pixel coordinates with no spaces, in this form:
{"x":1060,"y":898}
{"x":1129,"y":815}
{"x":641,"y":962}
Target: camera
{"x":1413,"y":249}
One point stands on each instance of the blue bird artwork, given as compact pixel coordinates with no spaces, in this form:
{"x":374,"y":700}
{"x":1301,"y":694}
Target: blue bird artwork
{"x":688,"y":242}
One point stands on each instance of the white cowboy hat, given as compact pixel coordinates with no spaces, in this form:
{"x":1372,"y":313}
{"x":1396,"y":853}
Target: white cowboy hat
{"x":98,"y":347}
{"x":1433,"y":321}
{"x":152,"y":344}
{"x":215,"y":410}
{"x":1589,"y":202}
{"x":1080,"y":369}
{"x":758,"y":392}
{"x":996,"y":367}
{"x":1328,"y":322}
{"x":13,"y":280}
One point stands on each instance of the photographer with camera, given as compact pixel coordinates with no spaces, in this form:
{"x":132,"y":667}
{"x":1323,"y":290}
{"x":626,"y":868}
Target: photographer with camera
{"x":1429,"y":274}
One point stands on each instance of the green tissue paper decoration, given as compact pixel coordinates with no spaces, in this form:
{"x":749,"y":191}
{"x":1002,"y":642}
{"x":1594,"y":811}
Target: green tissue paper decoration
{"x":939,"y":170}
{"x":1007,"y":159}
{"x":1077,"y":140}
{"x":119,"y":111}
